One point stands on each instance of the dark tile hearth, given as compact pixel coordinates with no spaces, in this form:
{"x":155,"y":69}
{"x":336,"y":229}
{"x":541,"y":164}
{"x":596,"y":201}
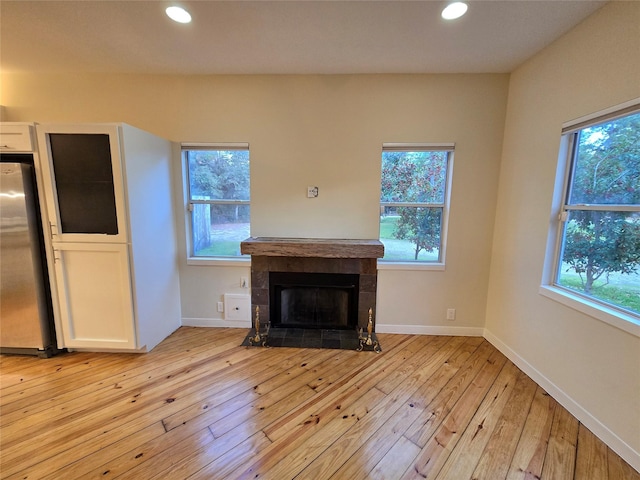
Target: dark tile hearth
{"x":310,"y":338}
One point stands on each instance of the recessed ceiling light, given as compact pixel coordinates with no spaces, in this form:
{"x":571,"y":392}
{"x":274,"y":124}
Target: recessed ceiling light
{"x":454,"y":10}
{"x":178,"y":14}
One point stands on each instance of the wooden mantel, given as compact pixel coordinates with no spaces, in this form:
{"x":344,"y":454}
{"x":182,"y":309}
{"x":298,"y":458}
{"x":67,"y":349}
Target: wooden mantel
{"x":312,"y":247}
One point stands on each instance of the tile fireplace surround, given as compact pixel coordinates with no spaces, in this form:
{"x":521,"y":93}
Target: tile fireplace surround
{"x":311,"y":255}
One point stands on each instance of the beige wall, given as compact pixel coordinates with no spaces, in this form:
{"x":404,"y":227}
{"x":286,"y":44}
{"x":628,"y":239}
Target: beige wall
{"x":314,"y":130}
{"x":593,"y":367}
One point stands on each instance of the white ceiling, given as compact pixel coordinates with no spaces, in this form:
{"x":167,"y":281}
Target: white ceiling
{"x":280,"y":37}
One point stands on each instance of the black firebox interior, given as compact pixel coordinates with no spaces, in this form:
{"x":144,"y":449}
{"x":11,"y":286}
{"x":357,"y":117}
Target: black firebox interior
{"x":313,"y":300}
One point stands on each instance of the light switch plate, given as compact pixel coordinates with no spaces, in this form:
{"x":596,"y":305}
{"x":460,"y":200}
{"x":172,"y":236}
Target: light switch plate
{"x":312,"y":192}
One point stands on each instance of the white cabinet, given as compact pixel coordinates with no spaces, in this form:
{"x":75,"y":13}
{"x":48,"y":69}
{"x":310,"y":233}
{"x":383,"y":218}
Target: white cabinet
{"x":108,"y":191}
{"x":95,"y":295}
{"x":86,"y":198}
{"x":16,"y":137}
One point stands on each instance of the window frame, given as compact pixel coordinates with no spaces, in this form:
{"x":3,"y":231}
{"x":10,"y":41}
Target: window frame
{"x":438,"y":265}
{"x":618,"y":317}
{"x":219,"y":260}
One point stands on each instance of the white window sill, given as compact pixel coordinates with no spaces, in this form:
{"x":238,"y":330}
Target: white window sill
{"x":387,"y":265}
{"x":618,"y":319}
{"x":220,"y":261}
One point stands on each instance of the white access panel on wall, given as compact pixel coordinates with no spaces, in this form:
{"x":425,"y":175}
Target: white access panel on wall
{"x":237,"y":307}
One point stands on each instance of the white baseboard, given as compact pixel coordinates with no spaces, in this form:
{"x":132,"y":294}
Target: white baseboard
{"x":599,"y":430}
{"x":215,"y":322}
{"x":380,"y":328}
{"x":430,"y":330}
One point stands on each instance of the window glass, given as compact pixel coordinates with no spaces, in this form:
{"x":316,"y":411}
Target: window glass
{"x":219,"y":200}
{"x":600,"y":236}
{"x":413,"y":204}
{"x":606,"y":163}
{"x":84,"y":183}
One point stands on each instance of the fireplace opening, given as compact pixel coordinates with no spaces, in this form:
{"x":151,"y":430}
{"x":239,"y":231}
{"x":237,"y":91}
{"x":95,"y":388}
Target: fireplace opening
{"x":313,"y":300}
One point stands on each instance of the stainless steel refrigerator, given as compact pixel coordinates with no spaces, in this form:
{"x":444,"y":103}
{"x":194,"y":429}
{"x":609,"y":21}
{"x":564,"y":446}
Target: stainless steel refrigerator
{"x":26,"y":314}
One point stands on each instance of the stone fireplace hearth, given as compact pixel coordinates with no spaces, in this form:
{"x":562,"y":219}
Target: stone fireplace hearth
{"x":317,"y":256}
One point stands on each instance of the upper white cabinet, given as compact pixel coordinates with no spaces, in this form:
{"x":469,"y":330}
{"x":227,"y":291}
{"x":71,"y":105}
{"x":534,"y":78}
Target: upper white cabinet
{"x":16,"y":137}
{"x":85,"y":192}
{"x":111,"y":223}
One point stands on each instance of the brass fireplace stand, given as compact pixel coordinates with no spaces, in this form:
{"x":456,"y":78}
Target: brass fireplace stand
{"x":259,"y":337}
{"x":367,"y":341}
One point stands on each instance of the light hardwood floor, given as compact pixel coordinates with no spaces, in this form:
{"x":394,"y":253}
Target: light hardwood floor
{"x":200,"y":406}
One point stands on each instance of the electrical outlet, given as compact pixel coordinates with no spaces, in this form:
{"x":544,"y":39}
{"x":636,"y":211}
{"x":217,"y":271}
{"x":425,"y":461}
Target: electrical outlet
{"x":312,"y":192}
{"x":220,"y":307}
{"x":451,"y":313}
{"x":244,"y":282}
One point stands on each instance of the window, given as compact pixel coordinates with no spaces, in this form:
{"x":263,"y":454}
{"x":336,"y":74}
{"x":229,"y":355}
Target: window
{"x":414,"y":202}
{"x":218,"y":198}
{"x":597,"y":249}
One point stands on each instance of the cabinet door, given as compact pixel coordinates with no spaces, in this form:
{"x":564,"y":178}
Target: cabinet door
{"x":95,"y":297}
{"x":85,"y":196}
{"x":16,"y":137}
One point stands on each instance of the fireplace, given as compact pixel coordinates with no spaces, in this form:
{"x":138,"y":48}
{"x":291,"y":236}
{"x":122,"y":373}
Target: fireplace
{"x":337,"y":274}
{"x":313,"y":300}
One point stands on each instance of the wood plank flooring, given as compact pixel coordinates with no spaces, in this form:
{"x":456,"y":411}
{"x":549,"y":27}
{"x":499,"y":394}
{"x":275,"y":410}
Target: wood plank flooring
{"x":200,"y":406}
